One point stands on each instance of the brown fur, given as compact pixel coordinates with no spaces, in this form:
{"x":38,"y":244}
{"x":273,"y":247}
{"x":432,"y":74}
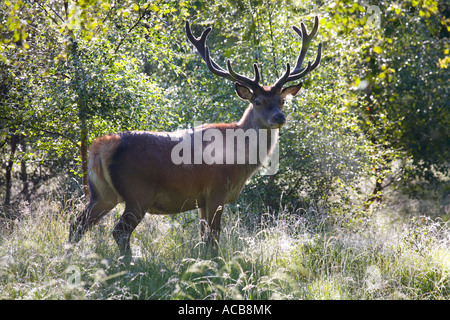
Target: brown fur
{"x":100,"y":155}
{"x":102,"y":148}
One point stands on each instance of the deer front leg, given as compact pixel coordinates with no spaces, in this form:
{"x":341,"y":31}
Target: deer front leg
{"x":203,"y":223}
{"x":210,"y":217}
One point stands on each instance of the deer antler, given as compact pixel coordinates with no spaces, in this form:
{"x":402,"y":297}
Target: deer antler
{"x":298,"y":71}
{"x":229,"y":74}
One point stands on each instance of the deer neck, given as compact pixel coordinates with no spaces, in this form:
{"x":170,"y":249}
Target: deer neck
{"x":249,"y":121}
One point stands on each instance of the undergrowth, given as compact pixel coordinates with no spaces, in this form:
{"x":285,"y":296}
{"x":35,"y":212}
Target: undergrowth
{"x":303,"y":254}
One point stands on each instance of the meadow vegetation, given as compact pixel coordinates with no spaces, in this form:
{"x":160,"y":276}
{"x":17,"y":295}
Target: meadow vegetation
{"x":302,"y":254}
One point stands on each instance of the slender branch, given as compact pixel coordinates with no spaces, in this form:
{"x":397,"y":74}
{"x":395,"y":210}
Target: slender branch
{"x":66,"y":8}
{"x":131,"y":29}
{"x":274,"y":58}
{"x":256,"y":41}
{"x":75,"y":143}
{"x":53,"y":10}
{"x":110,"y":12}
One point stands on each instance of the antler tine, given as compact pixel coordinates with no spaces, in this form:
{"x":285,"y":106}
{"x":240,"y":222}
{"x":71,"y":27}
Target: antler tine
{"x":216,"y":69}
{"x":203,"y":50}
{"x":252,"y":84}
{"x":306,"y":41}
{"x":284,"y":78}
{"x":298,"y":71}
{"x":257,"y":75}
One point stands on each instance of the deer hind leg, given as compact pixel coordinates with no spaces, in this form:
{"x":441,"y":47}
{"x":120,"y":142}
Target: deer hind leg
{"x":129,"y":220}
{"x":88,"y":218}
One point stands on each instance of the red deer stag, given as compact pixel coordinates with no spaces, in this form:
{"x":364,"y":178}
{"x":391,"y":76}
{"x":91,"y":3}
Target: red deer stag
{"x":138,"y":168}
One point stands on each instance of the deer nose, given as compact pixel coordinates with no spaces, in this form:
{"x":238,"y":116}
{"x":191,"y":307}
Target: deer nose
{"x":279,"y":118}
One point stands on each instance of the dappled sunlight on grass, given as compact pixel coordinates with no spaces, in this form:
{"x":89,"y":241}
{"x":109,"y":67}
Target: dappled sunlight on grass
{"x":286,"y":256}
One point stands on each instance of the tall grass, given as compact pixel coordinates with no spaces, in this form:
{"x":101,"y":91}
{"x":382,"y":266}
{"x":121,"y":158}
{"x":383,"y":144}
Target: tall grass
{"x":288,"y":255}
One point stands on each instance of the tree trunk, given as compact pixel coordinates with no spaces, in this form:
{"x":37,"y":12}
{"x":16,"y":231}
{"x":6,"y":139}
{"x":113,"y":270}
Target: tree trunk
{"x":81,"y":104}
{"x":8,"y":176}
{"x":84,"y":156}
{"x":23,"y":172}
{"x":376,"y":193}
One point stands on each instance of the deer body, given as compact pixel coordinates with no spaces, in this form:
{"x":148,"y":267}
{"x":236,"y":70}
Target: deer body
{"x":138,"y":168}
{"x":140,"y":162}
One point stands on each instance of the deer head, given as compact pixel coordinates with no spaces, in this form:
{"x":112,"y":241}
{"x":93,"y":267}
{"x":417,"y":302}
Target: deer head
{"x":266,"y":101}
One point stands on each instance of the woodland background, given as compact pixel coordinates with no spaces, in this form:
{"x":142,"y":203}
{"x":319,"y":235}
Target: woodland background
{"x":367,"y":140}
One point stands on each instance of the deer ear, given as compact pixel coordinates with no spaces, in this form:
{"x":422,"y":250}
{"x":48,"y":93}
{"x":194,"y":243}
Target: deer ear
{"x":243,"y":92}
{"x":290,"y":91}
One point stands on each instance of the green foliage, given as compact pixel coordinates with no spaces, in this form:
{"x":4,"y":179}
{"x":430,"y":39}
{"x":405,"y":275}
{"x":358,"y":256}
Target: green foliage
{"x":81,"y":71}
{"x":406,"y":85}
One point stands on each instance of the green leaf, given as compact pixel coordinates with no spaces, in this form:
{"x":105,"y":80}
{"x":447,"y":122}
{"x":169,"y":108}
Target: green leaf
{"x":377,"y":50}
{"x":154,"y":7}
{"x":16,"y":36}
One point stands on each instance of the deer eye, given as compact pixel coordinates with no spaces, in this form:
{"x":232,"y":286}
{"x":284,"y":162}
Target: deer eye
{"x":258,"y":103}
